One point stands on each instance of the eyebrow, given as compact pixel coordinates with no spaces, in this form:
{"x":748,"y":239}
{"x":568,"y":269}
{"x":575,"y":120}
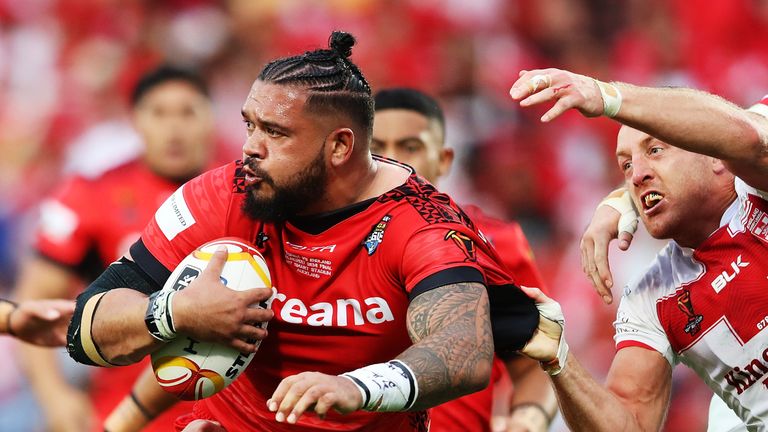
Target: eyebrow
{"x":409,"y":138}
{"x":267,"y":123}
{"x":645,"y":141}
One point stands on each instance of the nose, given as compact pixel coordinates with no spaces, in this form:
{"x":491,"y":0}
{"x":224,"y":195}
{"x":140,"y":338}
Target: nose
{"x":641,"y":170}
{"x":254,"y":147}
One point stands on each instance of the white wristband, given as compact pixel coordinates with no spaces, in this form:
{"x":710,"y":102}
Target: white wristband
{"x":611,"y":98}
{"x":628,"y":215}
{"x":159,"y":318}
{"x":760,"y":108}
{"x":386,"y":387}
{"x":553,"y":312}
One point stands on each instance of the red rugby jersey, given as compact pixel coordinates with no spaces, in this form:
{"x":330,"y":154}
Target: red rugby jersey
{"x":342,"y":290}
{"x":87,"y":224}
{"x":473,"y":412}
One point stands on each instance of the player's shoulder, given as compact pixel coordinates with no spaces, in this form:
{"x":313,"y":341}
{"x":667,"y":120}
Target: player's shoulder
{"x":425,"y":204}
{"x":672,"y":267}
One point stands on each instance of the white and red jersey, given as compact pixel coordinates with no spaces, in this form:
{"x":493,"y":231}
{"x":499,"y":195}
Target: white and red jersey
{"x":342,"y":283}
{"x":88,"y":223}
{"x":708,"y":307}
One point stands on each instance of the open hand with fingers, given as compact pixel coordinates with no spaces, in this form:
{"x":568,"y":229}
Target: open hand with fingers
{"x":41,"y":322}
{"x":566,"y":89}
{"x":314,"y":391}
{"x":209,"y":311}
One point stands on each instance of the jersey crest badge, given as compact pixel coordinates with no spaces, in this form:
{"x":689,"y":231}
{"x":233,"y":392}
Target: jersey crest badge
{"x":464,"y":243}
{"x":376,"y":236}
{"x":694,"y":320}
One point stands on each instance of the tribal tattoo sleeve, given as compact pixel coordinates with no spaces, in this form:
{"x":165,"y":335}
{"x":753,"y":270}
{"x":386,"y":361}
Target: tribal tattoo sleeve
{"x":453,"y":344}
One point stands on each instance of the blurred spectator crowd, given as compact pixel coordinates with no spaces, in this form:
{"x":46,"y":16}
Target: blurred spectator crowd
{"x":67,"y":67}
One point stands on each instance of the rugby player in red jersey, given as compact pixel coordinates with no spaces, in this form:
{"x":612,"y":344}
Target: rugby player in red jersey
{"x":409,"y":126}
{"x":381,"y":283}
{"x":89,"y":222}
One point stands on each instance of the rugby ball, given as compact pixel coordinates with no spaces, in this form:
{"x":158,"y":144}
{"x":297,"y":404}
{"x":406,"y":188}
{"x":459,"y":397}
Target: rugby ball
{"x":191,"y":369}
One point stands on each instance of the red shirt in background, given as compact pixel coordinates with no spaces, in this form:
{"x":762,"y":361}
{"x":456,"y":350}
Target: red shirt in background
{"x":86,"y":225}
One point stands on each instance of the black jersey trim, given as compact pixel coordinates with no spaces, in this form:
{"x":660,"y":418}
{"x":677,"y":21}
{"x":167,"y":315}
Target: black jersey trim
{"x":445,"y":277}
{"x":317,"y":223}
{"x":149,"y":264}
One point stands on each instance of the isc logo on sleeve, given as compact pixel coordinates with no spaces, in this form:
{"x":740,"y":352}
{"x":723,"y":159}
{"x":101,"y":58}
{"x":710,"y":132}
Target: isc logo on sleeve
{"x":174,"y":216}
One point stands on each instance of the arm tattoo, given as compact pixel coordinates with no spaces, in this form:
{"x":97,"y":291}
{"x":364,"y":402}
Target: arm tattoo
{"x":453,"y":345}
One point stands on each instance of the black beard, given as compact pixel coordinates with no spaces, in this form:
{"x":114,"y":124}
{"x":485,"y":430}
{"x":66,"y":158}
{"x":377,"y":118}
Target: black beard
{"x":290,"y":199}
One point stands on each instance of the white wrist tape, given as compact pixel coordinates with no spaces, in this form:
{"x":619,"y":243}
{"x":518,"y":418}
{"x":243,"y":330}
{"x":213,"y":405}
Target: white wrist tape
{"x":611,"y":98}
{"x":386,"y":387}
{"x":623,"y":205}
{"x":159,"y":318}
{"x":761,"y":108}
{"x":553,"y":312}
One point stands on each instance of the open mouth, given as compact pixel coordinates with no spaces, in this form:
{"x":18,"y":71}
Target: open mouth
{"x":250,"y":177}
{"x":651,"y":200}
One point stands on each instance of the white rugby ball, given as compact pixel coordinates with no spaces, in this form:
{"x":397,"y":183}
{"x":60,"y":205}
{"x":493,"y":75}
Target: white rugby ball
{"x":192,"y":369}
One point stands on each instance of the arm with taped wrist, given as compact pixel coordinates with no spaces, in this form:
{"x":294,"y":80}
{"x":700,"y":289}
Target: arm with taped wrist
{"x":125,"y":283}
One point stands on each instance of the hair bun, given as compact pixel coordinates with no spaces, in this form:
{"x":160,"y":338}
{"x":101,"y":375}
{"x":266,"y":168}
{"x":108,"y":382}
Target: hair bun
{"x":342,"y":42}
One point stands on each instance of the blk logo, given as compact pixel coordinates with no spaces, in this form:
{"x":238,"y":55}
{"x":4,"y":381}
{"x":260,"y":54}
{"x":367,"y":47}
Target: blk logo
{"x":723,"y":278}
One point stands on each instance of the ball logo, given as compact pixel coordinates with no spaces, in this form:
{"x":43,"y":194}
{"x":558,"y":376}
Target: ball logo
{"x":184,"y":378}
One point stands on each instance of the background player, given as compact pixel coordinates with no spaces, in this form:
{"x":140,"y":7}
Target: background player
{"x":409,"y":126}
{"x":690,"y":306}
{"x":42,"y":322}
{"x":89,"y":222}
{"x":309,"y":188}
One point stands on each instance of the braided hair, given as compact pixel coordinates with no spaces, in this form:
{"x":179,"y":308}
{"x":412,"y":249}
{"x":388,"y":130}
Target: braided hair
{"x":335,"y":83}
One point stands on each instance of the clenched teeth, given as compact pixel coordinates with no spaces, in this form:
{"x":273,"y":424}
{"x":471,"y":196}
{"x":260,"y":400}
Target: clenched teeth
{"x":652,"y":199}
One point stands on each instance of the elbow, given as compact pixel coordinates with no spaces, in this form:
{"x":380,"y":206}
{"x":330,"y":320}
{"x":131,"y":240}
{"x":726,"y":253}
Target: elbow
{"x":480,"y":376}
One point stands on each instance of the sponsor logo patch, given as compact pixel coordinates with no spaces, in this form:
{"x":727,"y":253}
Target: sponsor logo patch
{"x":174,"y":216}
{"x":186,"y":277}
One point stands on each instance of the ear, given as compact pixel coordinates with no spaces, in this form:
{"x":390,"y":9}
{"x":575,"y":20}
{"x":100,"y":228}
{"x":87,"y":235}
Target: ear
{"x":445,"y":161}
{"x":341,"y":142}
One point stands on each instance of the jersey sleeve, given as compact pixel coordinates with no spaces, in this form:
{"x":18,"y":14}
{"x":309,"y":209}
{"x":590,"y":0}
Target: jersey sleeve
{"x":636,"y":325}
{"x":440,"y":255}
{"x":517,"y":255}
{"x":196,"y":213}
{"x":63,"y":234}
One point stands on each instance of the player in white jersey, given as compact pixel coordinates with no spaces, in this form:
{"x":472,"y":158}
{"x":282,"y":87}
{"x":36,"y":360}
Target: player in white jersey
{"x":615,"y":217}
{"x":702,"y":302}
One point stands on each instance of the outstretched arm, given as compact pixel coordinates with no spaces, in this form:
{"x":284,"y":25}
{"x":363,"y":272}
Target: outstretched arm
{"x":39,"y":322}
{"x":690,"y":119}
{"x":636,"y":394}
{"x":66,"y":407}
